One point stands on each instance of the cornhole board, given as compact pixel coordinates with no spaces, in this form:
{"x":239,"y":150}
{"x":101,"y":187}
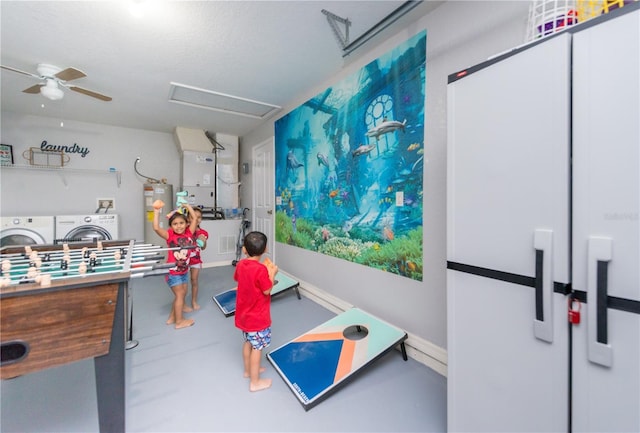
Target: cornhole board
{"x":226,"y":300}
{"x":325,"y":358}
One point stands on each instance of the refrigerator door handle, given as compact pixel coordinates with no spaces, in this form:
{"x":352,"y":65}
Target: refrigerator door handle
{"x":543,"y":323}
{"x":599,"y":254}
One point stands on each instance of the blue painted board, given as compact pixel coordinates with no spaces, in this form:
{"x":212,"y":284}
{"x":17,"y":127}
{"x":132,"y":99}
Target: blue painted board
{"x":324,"y":358}
{"x":226,"y":300}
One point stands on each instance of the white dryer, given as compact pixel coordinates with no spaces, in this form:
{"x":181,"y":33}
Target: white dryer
{"x":26,"y":230}
{"x":86,"y":228}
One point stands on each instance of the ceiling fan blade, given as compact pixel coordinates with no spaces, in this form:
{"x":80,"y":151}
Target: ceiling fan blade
{"x":70,"y":74}
{"x":8,"y":68}
{"x":33,"y":89}
{"x":90,"y":93}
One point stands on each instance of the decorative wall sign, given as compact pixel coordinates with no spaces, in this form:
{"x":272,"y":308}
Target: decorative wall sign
{"x":83,"y":151}
{"x":6,"y":154}
{"x":349,"y":166}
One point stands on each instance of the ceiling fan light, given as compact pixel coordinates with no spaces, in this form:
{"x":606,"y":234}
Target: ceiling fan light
{"x":52,"y":92}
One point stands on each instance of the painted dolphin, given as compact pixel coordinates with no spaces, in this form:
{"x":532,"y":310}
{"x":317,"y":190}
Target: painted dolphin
{"x":292,"y":161}
{"x":385,"y":127}
{"x":322,"y":160}
{"x":363,"y":150}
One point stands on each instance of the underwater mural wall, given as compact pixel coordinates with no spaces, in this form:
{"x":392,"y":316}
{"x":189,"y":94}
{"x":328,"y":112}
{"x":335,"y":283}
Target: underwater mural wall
{"x":349,"y":166}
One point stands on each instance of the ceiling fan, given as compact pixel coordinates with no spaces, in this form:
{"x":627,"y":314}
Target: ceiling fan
{"x":53,"y":78}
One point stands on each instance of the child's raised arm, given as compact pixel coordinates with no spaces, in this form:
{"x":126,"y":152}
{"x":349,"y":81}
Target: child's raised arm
{"x":156,"y":225}
{"x":193,"y":221}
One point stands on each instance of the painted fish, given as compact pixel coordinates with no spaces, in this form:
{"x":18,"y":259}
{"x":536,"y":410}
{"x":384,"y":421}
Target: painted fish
{"x":333,"y":193}
{"x":292,"y":161}
{"x":413,"y":146}
{"x":322,"y":159}
{"x":362,"y":150}
{"x":388,"y":233}
{"x":386,"y":127}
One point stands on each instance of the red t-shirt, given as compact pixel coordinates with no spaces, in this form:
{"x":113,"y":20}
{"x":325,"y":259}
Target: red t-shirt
{"x":253,"y":307}
{"x":195,"y":253}
{"x":179,"y":257}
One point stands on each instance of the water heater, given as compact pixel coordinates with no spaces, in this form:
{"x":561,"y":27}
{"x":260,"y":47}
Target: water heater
{"x":153,"y":192}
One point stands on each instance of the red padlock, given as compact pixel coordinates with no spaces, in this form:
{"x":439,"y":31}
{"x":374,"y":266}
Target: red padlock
{"x":574,"y":314}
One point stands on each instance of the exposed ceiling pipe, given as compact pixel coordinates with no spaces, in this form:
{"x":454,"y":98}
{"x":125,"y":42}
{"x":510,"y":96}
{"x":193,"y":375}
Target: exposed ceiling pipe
{"x":402,"y":10}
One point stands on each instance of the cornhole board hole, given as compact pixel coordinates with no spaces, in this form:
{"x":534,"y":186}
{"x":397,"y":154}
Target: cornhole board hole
{"x":226,"y":300}
{"x":325,"y":358}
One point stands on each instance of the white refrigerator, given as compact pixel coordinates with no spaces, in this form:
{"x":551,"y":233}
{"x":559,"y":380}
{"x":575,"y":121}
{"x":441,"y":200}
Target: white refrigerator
{"x":543,"y":197}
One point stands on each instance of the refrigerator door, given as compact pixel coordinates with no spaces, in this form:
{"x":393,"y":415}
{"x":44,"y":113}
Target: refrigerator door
{"x":508,"y":243}
{"x":606,"y":232}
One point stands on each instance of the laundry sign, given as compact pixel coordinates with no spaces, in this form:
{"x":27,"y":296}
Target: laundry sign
{"x":46,"y":146}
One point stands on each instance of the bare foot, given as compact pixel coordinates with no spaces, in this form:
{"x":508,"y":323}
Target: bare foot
{"x":196,"y":306}
{"x":185,"y":323}
{"x":262,"y":384}
{"x":246,"y":374}
{"x":186,"y":309}
{"x":171,"y":320}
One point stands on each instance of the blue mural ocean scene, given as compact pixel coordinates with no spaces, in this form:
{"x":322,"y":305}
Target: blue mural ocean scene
{"x":350,"y":162}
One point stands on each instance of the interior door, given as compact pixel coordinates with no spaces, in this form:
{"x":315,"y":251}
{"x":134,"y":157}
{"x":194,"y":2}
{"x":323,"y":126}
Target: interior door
{"x":264,"y":192}
{"x":508,"y":242}
{"x":606,"y":232}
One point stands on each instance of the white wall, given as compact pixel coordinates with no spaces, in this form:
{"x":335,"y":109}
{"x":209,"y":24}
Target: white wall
{"x":459,"y":34}
{"x":36,"y":192}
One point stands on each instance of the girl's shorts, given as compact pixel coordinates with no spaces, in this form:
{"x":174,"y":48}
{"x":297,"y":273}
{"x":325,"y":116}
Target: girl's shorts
{"x":196,"y":266}
{"x":260,"y":339}
{"x":176,"y":280}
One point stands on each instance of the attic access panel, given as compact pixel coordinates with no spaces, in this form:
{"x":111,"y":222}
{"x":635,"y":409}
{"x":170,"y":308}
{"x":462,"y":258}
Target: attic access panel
{"x":221,"y":102}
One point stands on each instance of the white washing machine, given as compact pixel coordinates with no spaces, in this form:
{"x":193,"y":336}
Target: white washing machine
{"x":26,"y":230}
{"x":86,"y":228}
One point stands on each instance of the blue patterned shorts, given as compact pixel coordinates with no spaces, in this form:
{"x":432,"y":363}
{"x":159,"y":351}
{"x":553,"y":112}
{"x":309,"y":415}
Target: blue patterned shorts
{"x":175,"y":280}
{"x":260,"y":339}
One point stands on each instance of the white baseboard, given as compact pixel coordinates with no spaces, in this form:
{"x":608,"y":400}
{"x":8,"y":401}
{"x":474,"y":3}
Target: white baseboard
{"x":419,"y":349}
{"x":216,"y":264}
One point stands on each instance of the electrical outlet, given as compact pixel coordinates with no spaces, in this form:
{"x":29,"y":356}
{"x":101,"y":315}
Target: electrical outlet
{"x":106,"y":204}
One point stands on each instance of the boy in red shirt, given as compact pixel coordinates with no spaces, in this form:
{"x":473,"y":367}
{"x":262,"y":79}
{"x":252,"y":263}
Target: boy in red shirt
{"x":253,"y":306}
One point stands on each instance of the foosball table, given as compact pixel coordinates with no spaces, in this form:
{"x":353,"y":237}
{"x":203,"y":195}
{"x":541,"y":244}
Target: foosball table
{"x":64,"y":303}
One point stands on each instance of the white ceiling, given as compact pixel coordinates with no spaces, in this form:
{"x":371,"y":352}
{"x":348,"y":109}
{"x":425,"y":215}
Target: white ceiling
{"x":267,"y":51}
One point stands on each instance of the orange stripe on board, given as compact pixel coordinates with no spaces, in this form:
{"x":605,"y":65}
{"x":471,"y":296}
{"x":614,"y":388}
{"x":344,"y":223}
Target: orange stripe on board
{"x":346,"y":359}
{"x":320,"y":337}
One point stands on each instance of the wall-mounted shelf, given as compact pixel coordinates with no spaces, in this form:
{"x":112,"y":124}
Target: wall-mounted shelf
{"x":64,"y":170}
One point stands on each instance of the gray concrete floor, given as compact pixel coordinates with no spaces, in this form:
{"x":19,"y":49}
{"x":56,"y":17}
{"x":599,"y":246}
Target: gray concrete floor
{"x":191,"y":380}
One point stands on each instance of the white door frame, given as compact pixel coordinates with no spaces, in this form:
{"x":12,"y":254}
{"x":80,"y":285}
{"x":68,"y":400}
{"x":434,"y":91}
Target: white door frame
{"x":263,"y":206}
